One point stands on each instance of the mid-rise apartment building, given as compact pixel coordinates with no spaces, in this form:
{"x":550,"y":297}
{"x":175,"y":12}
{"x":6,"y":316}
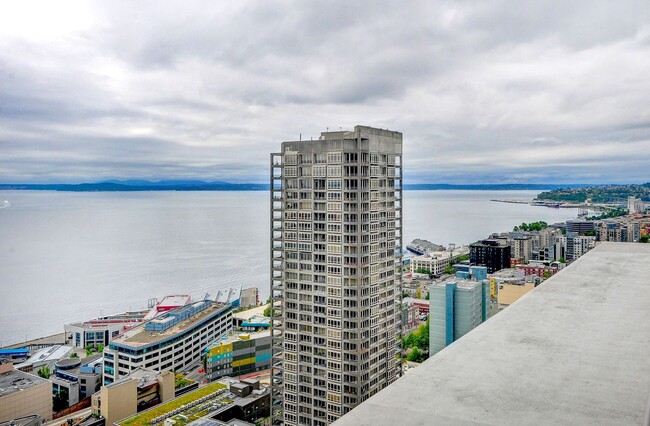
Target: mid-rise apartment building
{"x":619,"y":230}
{"x":239,"y":353}
{"x":492,"y":253}
{"x":456,"y":307}
{"x":336,"y":257}
{"x":174,"y":340}
{"x":522,"y":246}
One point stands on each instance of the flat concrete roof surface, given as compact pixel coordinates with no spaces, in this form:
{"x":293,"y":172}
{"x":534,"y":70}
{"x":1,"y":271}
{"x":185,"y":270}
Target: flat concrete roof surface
{"x":575,"y":350}
{"x":15,"y":381}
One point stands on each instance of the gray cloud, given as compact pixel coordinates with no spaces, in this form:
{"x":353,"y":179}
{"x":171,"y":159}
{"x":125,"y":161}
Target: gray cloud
{"x":489,"y":91}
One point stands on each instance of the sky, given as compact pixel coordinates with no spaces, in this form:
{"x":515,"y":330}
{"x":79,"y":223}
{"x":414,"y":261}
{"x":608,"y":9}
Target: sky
{"x":483,"y":91}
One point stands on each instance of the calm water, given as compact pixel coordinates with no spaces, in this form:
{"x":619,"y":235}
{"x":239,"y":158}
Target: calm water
{"x":71,"y":256}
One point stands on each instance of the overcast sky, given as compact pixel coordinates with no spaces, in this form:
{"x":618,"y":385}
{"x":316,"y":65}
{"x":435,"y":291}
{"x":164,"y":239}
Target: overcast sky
{"x":483,"y":91}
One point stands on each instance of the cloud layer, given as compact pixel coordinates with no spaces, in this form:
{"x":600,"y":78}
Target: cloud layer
{"x":490,"y":91}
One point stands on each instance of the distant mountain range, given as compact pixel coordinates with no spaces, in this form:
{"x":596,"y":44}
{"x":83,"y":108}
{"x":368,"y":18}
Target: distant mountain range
{"x":198,"y":185}
{"x":141,"y":185}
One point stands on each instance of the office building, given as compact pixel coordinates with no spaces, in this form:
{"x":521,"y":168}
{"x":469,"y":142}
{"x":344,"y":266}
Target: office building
{"x":492,"y":253}
{"x":456,"y":307}
{"x":23,"y":394}
{"x":76,"y":379}
{"x":174,"y":340}
{"x":239,"y":353}
{"x":436,"y":261}
{"x":581,"y":227}
{"x":336,"y":255}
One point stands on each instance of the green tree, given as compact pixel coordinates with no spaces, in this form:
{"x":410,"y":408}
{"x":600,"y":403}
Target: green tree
{"x":644,"y":239}
{"x":418,"y":293}
{"x":415,"y":355}
{"x":44,"y":372}
{"x":449,"y":270}
{"x":267,"y":311}
{"x":422,"y":271}
{"x":74,"y":355}
{"x":100,"y":348}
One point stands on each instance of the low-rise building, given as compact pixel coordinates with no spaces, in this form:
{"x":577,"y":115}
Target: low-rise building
{"x":422,"y":305}
{"x":23,"y":394}
{"x":538,"y":270}
{"x":436,"y":261}
{"x":45,"y":357}
{"x":76,"y":379}
{"x":509,"y":293}
{"x":14,"y":355}
{"x":141,"y":389}
{"x":251,"y":319}
{"x":183,"y":409}
{"x":174,"y":340}
{"x":410,"y":317}
{"x":239,"y":353}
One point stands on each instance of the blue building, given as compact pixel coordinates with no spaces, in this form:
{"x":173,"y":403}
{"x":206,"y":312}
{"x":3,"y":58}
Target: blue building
{"x":476,"y":273}
{"x":456,"y":307}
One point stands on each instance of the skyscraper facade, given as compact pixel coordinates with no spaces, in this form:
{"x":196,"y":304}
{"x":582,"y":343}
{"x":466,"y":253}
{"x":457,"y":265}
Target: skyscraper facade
{"x":336,"y":212}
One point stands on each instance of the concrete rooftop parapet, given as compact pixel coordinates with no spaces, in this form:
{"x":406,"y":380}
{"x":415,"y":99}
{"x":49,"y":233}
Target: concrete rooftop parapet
{"x":573,"y":351}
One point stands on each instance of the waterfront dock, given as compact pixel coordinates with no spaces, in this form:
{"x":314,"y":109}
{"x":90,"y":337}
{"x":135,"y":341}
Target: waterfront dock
{"x":41,"y":342}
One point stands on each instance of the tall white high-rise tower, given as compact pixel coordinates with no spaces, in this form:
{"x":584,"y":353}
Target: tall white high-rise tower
{"x":336,"y":218}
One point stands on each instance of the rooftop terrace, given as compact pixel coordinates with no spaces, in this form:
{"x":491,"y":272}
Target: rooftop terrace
{"x":572,"y":351}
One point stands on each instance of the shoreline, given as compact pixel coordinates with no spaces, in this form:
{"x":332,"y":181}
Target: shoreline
{"x":53,"y":339}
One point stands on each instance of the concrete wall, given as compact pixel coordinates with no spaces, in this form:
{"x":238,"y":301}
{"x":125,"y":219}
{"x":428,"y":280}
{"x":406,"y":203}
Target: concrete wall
{"x":119,"y":401}
{"x":166,"y":382}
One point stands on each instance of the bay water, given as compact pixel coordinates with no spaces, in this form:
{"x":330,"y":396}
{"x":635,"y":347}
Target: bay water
{"x":67,"y":256}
